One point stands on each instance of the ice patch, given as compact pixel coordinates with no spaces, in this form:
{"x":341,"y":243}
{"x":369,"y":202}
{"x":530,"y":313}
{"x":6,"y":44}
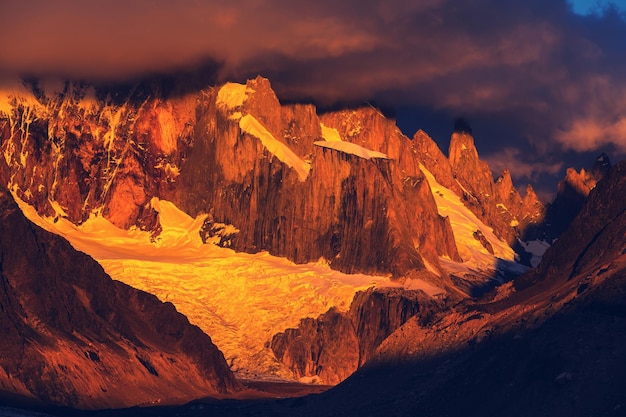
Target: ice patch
{"x":352,"y":149}
{"x":58,"y":210}
{"x":251,"y":125}
{"x":233,"y":95}
{"x":464,"y":223}
{"x":536,"y":248}
{"x":431,"y":290}
{"x":330,"y":134}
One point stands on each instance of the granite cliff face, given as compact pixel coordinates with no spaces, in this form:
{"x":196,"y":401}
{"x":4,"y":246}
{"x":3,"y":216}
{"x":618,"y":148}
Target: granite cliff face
{"x":498,"y":204}
{"x":74,"y":337}
{"x":346,"y":187}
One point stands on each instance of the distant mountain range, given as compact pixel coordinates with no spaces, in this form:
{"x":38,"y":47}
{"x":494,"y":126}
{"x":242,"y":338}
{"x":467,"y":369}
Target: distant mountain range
{"x":161,"y":186}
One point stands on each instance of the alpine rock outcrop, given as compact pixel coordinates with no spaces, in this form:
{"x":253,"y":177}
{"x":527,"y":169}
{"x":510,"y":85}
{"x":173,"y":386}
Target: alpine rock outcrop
{"x":572,"y":192}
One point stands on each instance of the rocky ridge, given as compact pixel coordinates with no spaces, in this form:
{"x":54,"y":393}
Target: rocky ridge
{"x":330,"y":348}
{"x":345,"y":186}
{"x":74,"y":337}
{"x":572,"y":192}
{"x":497,"y":203}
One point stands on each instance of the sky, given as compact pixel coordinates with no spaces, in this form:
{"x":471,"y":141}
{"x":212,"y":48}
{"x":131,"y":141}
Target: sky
{"x":541,"y":82}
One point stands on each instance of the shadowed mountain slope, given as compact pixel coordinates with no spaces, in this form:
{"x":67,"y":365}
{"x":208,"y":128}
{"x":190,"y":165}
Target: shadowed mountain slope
{"x":73,"y":336}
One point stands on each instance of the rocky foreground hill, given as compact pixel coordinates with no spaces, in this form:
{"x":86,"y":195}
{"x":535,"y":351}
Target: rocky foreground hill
{"x":72,"y":336}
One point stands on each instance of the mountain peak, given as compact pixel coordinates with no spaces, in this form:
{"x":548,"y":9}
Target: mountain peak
{"x":435,"y":161}
{"x":601,"y":166}
{"x":504,"y":184}
{"x":462,"y":148}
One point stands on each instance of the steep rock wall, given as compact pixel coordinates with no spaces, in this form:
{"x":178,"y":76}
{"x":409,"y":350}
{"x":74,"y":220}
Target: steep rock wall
{"x":232,"y":151}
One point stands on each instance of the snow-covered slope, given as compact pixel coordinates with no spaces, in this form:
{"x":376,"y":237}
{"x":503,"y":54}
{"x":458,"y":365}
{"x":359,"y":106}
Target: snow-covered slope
{"x":464,"y":225}
{"x":240,"y":300}
{"x":333,"y":140}
{"x":351,"y":149}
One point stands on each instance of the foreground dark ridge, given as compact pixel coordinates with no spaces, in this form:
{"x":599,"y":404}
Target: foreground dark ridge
{"x":72,"y":336}
{"x":568,"y":367}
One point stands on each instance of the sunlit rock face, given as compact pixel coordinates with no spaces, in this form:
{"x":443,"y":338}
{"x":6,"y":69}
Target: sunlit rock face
{"x":572,"y":192}
{"x":333,"y":346}
{"x":498,"y":203}
{"x":74,"y":337}
{"x":323,"y":350}
{"x":435,"y":161}
{"x":235,"y":152}
{"x":413,"y":216}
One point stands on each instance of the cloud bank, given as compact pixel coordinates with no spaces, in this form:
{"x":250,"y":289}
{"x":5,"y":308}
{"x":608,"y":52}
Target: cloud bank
{"x":554,"y":81}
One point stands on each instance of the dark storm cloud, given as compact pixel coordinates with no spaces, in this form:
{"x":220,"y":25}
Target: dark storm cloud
{"x":547,"y":80}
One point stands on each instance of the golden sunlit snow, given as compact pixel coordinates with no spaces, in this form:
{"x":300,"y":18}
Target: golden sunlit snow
{"x":240,"y":300}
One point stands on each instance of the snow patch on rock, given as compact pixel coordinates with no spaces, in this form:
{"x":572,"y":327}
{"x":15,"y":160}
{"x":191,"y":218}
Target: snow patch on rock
{"x":233,"y":95}
{"x":330,"y":134}
{"x":536,"y":248}
{"x":252,"y":126}
{"x":464,"y":223}
{"x":351,"y":149}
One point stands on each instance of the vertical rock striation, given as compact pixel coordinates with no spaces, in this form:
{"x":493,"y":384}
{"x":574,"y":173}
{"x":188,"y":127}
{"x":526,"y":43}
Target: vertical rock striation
{"x":235,"y":152}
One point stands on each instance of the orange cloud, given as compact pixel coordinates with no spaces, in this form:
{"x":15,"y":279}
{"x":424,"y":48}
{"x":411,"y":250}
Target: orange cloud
{"x":521,"y":165}
{"x":589,"y":134}
{"x":533,"y":64}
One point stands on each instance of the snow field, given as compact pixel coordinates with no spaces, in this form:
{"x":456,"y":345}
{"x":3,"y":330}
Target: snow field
{"x":240,"y":300}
